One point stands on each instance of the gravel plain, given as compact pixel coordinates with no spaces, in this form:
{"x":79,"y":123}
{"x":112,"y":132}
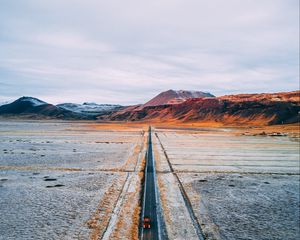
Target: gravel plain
{"x":240,"y":187}
{"x":54,"y":174}
{"x":55,"y":177}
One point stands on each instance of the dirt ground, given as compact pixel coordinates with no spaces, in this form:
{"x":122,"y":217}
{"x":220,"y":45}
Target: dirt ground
{"x":246,"y":206}
{"x":69,"y":180}
{"x":239,"y":186}
{"x":241,"y":182}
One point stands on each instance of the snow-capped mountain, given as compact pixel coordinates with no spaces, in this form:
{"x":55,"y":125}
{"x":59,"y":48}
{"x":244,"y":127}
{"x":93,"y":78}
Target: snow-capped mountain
{"x":6,"y":102}
{"x":32,"y":101}
{"x":88,"y":108}
{"x":35,"y":108}
{"x":181,"y":106}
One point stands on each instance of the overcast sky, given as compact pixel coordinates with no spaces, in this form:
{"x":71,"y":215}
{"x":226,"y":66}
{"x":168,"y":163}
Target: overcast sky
{"x":127,"y":51}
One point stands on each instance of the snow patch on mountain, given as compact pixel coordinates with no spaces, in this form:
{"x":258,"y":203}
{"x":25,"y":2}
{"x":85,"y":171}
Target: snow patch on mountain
{"x":87,"y":108}
{"x":5,"y":103}
{"x":34,"y":101}
{"x":191,"y":94}
{"x":175,"y":97}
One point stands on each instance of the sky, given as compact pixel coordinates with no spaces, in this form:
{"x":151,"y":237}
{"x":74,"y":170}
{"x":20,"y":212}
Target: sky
{"x":126,"y":52}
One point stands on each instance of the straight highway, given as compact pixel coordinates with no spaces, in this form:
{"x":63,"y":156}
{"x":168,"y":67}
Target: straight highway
{"x":150,"y":205}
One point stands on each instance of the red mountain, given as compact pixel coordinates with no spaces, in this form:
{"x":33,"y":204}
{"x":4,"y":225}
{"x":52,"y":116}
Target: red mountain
{"x":175,"y":97}
{"x":262,"y":108}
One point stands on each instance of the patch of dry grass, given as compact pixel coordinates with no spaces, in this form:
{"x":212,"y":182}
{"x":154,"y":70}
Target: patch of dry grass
{"x":38,"y":168}
{"x":118,"y":126}
{"x":100,"y":218}
{"x":127,"y":226}
{"x":134,"y":156}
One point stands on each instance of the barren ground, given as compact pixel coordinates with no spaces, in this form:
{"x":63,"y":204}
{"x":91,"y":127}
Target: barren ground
{"x":69,"y":180}
{"x":240,"y":187}
{"x":82,"y":180}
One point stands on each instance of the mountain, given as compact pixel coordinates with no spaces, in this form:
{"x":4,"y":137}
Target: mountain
{"x":175,"y":97}
{"x":21,"y":105}
{"x":89,"y":108}
{"x":4,"y":103}
{"x":35,"y":108}
{"x":238,"y":109}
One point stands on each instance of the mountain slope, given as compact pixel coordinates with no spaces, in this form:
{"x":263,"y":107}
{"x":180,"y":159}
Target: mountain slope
{"x":175,"y":97}
{"x":35,"y":108}
{"x":88,"y":108}
{"x":258,"y":109}
{"x":21,"y":105}
{"x":233,"y":109}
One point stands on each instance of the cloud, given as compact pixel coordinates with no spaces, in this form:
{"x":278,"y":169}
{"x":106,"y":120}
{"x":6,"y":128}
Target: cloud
{"x":69,"y":41}
{"x":126,"y":52}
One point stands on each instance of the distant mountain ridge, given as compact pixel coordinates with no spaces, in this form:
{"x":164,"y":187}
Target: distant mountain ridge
{"x":271,"y":108}
{"x":239,"y":109}
{"x":175,"y":97}
{"x":89,"y":108}
{"x":22,"y":104}
{"x":33,"y":107}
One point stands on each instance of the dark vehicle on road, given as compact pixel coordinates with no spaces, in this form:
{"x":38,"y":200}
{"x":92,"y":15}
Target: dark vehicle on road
{"x":147,"y":222}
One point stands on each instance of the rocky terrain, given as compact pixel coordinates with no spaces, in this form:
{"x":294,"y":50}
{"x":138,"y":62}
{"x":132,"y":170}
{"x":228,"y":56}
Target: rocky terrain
{"x":89,"y":108}
{"x":266,"y":109}
{"x":63,"y":180}
{"x":175,"y":97}
{"x":173,"y":106}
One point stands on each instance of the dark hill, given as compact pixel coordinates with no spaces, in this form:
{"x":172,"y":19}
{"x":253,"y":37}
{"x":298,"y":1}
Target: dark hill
{"x":30,"y":107}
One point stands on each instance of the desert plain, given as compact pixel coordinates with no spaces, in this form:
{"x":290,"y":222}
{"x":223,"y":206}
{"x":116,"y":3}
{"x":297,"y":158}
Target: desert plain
{"x":84,"y":180}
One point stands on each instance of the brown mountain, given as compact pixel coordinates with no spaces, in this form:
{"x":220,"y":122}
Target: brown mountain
{"x":175,"y":97}
{"x":259,"y":109}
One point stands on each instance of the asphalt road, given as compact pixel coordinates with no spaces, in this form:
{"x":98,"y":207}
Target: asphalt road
{"x":149,"y":205}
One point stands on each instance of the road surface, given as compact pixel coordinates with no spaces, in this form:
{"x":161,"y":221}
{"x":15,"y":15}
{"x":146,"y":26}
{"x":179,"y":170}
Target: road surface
{"x":150,"y":191}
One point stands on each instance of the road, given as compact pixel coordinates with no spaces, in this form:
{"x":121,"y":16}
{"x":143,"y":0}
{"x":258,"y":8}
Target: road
{"x":150,"y":191}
